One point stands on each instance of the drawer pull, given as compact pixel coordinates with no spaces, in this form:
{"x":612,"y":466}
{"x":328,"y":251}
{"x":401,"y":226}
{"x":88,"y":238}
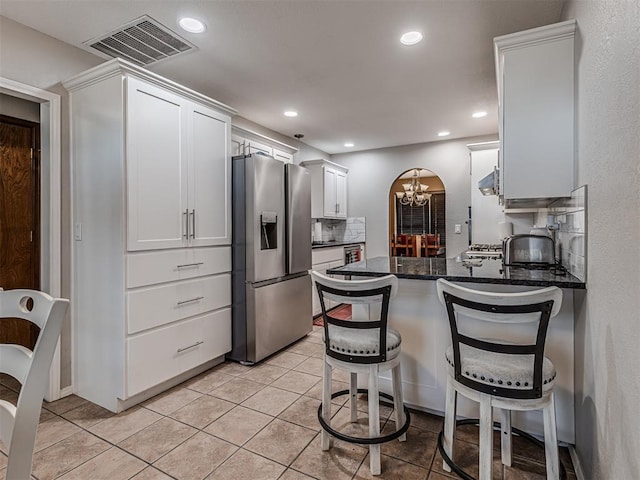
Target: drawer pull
{"x":180,"y":350}
{"x":182,"y":302}
{"x":185,"y":265}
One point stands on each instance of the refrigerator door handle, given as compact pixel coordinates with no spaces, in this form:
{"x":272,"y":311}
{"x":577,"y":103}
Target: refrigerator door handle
{"x":193,"y":223}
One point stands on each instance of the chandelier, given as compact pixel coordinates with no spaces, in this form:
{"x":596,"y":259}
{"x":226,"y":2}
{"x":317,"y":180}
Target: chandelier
{"x":414,"y":192}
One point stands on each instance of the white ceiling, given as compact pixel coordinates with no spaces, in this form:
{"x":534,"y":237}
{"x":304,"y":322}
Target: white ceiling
{"x":339,"y":63}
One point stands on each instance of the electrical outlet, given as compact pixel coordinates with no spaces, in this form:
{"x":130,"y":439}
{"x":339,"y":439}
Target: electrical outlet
{"x":458,"y":228}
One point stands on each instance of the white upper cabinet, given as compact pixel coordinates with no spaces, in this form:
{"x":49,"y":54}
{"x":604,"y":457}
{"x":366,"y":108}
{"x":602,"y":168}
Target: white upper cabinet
{"x":247,"y":142}
{"x":177,"y":165}
{"x":156,"y":167}
{"x":535,"y":71}
{"x":209,"y":169}
{"x":329,"y":193}
{"x":283,"y":156}
{"x":341,"y":194}
{"x":328,"y":189}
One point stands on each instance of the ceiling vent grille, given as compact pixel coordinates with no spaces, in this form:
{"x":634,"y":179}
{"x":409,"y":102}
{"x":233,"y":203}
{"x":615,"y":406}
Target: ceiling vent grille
{"x":143,"y":41}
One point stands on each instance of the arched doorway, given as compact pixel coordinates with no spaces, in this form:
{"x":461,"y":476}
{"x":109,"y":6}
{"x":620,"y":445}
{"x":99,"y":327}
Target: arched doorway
{"x":417,"y":222}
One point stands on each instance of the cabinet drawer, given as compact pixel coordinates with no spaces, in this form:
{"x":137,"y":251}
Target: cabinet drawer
{"x":157,"y":356}
{"x":156,"y":306}
{"x":150,"y":268}
{"x":330,"y":254}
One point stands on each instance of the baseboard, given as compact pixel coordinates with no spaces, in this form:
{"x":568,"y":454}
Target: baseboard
{"x":153,"y":391}
{"x":66,"y":391}
{"x":576,"y":462}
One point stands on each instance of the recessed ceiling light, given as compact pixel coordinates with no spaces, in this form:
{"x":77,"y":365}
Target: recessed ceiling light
{"x":443,"y":133}
{"x":479,"y":114}
{"x":290,"y":113}
{"x":192,"y":25}
{"x":349,"y":144}
{"x":410,"y":38}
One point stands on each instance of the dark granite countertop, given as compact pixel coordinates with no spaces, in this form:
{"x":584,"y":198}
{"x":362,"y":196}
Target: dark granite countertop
{"x":315,"y":245}
{"x":432,"y":268}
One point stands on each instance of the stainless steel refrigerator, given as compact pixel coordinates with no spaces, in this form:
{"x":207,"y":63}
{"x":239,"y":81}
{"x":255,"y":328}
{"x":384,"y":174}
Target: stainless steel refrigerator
{"x":271,"y":256}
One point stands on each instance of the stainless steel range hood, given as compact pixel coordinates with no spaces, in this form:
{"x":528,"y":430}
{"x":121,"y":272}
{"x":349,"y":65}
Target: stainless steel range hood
{"x":489,"y":185}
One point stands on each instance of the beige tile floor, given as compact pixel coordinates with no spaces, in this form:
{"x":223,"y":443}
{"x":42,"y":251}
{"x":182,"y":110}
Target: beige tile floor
{"x":237,"y":422}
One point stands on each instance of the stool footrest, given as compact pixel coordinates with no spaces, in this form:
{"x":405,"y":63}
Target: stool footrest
{"x":474,"y":421}
{"x":365,"y":440}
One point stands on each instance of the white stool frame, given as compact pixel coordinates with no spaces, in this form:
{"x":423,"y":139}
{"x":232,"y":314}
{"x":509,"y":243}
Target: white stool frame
{"x":372,"y":370}
{"x":19,"y":423}
{"x":487,"y":401}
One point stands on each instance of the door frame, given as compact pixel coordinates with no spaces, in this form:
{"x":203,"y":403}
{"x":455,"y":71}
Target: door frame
{"x":50,"y":261}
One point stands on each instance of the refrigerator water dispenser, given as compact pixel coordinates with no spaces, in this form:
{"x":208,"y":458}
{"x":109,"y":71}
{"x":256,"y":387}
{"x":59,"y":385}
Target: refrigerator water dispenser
{"x":269,"y":237}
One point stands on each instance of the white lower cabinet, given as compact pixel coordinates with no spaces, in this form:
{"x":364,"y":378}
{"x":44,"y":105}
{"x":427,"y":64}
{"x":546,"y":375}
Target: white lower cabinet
{"x":149,"y":268}
{"x":158,"y":355}
{"x":322,"y":260}
{"x":159,"y":305}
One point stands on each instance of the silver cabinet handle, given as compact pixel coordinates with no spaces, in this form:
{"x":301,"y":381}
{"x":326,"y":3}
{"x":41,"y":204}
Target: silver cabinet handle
{"x":180,"y":350}
{"x":186,"y":223}
{"x":185,"y":265}
{"x":182,"y":302}
{"x":193,"y":223}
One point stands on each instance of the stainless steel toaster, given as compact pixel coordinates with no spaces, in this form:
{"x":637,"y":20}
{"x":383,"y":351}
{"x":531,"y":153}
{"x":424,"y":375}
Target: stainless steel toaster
{"x":528,"y":249}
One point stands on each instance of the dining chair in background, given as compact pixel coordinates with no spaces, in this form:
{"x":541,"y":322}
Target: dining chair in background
{"x":19,"y":422}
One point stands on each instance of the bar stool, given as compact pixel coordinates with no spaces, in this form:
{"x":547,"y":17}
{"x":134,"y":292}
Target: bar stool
{"x":361,"y":347}
{"x":501,"y":375}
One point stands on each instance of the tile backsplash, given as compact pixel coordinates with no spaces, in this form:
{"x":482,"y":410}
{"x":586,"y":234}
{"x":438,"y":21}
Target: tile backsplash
{"x":570,"y":215}
{"x":352,"y":229}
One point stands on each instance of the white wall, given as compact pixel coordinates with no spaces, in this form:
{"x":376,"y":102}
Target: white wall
{"x":18,"y":108}
{"x":608,"y":314}
{"x":485,"y":210}
{"x":35,"y":59}
{"x":372,"y":172}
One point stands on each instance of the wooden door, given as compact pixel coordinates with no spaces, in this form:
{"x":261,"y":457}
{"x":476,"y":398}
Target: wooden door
{"x":19,"y":219}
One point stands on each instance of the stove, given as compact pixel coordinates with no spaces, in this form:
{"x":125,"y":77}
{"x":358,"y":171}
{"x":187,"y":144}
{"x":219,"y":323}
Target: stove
{"x":485,"y":250}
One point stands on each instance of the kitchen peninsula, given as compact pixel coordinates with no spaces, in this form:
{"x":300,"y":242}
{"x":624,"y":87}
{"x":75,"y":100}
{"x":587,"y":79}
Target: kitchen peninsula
{"x":422,"y":321}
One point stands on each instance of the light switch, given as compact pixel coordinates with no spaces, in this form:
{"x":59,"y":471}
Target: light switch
{"x":458,"y":228}
{"x":77,"y":232}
